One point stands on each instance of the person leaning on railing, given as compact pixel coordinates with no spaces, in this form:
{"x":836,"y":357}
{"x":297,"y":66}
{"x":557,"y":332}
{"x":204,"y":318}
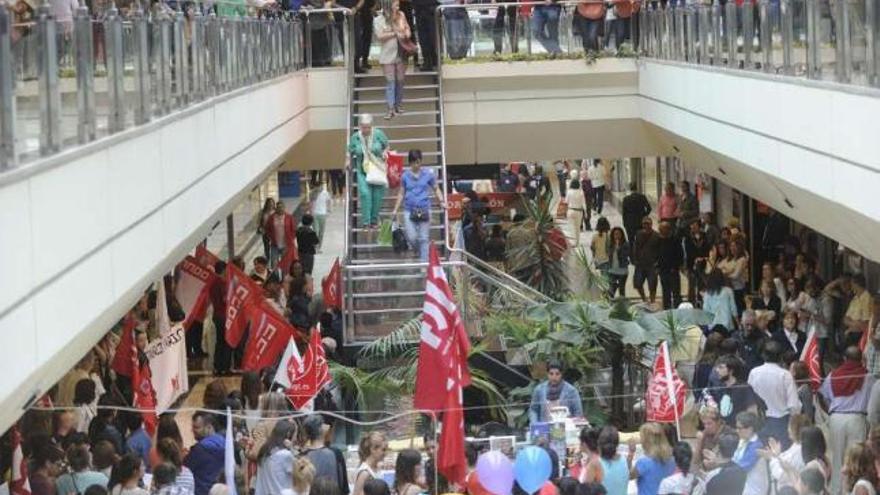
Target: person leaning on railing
{"x":591,"y":16}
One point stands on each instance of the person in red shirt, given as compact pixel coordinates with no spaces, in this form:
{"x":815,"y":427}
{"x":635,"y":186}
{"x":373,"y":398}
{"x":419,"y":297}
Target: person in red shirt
{"x":281,"y":231}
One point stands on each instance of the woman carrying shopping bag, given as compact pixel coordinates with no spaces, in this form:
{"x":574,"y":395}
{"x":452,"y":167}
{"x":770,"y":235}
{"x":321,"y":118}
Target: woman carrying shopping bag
{"x":367,"y":149}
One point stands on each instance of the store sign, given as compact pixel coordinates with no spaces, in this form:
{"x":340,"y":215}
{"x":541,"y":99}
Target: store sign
{"x":498,"y":203}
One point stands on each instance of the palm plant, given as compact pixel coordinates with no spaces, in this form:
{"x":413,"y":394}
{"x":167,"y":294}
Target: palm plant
{"x":533,"y":250}
{"x":394,"y":360}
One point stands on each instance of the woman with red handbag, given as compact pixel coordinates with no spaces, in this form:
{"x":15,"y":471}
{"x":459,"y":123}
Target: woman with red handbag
{"x":393,"y":33}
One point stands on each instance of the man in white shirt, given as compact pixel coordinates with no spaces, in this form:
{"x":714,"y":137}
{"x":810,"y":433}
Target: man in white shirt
{"x":320,"y":208}
{"x":775,"y":386}
{"x":596,"y":173}
{"x":846,"y":390}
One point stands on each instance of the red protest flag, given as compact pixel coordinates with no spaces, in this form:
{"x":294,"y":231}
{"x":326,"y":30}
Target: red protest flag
{"x":193,"y":289}
{"x":122,"y":362}
{"x":204,"y":257}
{"x":303,"y":377}
{"x":241,"y":293}
{"x":810,"y":357}
{"x":18,"y":483}
{"x":270,"y":332}
{"x":667,"y":393}
{"x":331,"y":287}
{"x":444,"y":346}
{"x":451,"y":460}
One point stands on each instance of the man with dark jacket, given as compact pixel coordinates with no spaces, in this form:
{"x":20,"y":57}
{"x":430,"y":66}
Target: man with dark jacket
{"x":426,"y":24}
{"x":634,"y":208}
{"x":728,"y":478}
{"x":688,"y":207}
{"x":669,"y":265}
{"x":646,"y":251}
{"x":696,"y":252}
{"x":307,"y":241}
{"x":205,"y":458}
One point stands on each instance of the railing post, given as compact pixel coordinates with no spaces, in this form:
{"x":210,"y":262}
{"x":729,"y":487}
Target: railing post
{"x":198,"y":54}
{"x":50,"y":95}
{"x":141,"y":67}
{"x":691,"y":17}
{"x":642,"y":31}
{"x":308,"y":35}
{"x":115,"y":60}
{"x":730,"y":34}
{"x":748,"y":33}
{"x":163,"y":65}
{"x":765,"y":37}
{"x":787,"y":20}
{"x":8,"y":156}
{"x":669,"y":32}
{"x":717,"y":41}
{"x":814,"y":69}
{"x":181,"y":59}
{"x":85,"y":76}
{"x":681,"y":32}
{"x":704,"y":23}
{"x":843,"y":60}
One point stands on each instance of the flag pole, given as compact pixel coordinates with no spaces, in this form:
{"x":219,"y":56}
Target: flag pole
{"x":436,"y":451}
{"x":670,"y":387}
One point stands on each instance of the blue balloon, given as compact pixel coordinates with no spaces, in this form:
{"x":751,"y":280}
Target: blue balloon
{"x":532,"y":468}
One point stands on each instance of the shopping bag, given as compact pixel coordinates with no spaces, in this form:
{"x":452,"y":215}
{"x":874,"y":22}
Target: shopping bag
{"x":384,"y":238}
{"x":395,"y":168}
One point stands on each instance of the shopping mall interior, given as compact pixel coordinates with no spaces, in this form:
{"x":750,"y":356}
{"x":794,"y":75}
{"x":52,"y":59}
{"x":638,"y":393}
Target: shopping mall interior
{"x":197,"y":196}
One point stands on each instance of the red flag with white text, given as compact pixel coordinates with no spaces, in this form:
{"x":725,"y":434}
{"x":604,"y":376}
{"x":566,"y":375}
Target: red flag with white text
{"x":193,"y":289}
{"x":444,"y":346}
{"x":241,"y":294}
{"x":451,"y":460}
{"x":269,"y":334}
{"x":331,"y":287}
{"x":810,"y":357}
{"x":667,"y":392}
{"x":18,"y":483}
{"x":315,"y":373}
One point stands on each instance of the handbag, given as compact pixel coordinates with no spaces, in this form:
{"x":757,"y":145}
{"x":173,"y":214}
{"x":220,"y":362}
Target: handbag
{"x":385,"y":233}
{"x":398,"y":240}
{"x":418,"y":215}
{"x":406,"y":47}
{"x":375,"y":169}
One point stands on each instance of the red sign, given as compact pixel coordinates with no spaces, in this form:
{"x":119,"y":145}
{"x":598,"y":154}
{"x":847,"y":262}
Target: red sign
{"x":498,"y":203}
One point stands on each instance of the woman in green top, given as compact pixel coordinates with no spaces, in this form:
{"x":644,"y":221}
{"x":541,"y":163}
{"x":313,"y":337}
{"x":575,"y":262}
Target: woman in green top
{"x":373,"y":141}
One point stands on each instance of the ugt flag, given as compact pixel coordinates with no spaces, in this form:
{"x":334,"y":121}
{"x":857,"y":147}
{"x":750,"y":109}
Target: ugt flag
{"x":667,"y":393}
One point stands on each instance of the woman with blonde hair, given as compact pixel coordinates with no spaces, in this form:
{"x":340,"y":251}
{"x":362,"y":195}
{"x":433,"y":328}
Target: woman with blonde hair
{"x":303,"y":476}
{"x":393,"y":33}
{"x":371,"y":451}
{"x":657,"y":462}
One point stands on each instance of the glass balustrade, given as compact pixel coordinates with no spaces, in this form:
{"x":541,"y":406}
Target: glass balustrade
{"x":68,"y":82}
{"x":817,"y":39}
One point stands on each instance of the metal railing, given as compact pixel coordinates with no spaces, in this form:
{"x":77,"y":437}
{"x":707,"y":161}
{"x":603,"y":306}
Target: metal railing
{"x":837,"y":41}
{"x":65,"y":83}
{"x":530,"y":28}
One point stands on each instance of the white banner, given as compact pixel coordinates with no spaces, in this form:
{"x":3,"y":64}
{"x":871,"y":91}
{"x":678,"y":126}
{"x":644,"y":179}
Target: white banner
{"x":167,"y":356}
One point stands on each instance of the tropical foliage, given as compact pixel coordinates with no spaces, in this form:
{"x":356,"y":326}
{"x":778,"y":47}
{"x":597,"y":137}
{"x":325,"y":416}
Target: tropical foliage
{"x":535,"y":248}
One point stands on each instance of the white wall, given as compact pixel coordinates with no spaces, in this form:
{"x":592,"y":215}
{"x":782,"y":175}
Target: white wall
{"x":810,"y":143}
{"x":84,"y":233}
